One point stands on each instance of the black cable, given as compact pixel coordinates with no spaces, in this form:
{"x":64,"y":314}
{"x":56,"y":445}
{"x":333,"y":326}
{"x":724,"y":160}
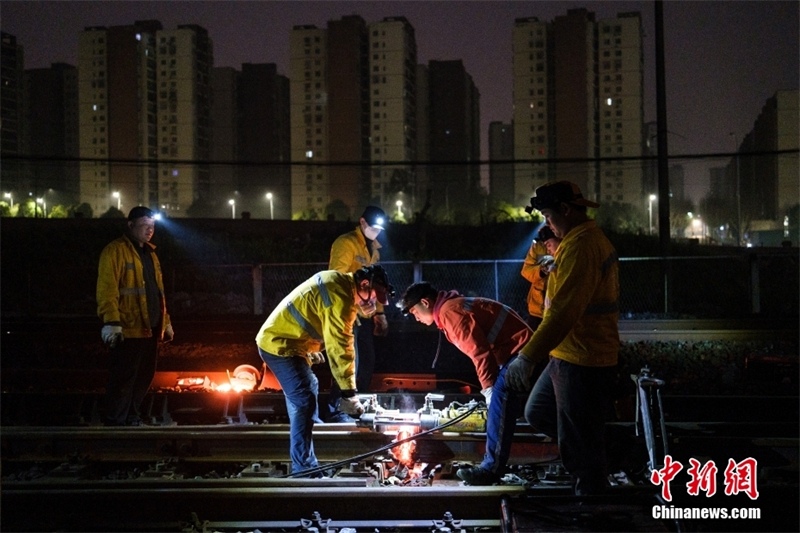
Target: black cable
{"x":389,"y":446}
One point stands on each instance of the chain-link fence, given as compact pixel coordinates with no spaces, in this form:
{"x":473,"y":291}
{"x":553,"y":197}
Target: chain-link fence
{"x":763,"y":283}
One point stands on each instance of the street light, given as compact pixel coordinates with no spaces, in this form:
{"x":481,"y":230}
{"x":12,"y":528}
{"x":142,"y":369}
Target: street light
{"x":399,"y":204}
{"x":271,"y":211}
{"x":116,"y":195}
{"x":233,"y":207}
{"x":10,"y":198}
{"x":651,"y":199}
{"x":42,"y":202}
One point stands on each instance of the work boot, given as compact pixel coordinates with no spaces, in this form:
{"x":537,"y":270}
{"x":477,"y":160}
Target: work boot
{"x":477,"y":476}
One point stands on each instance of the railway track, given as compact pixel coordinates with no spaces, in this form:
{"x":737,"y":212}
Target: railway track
{"x":220,"y":462}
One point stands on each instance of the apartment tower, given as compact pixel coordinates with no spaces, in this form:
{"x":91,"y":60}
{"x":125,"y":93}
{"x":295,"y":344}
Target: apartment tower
{"x":117,"y":115}
{"x":578,"y":105}
{"x":393,"y":114}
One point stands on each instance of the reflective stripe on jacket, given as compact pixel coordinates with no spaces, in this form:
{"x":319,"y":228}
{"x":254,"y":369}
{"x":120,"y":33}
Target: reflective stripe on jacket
{"x":531,"y":270}
{"x":582,"y":304}
{"x":318,"y":314}
{"x":121,"y":294}
{"x":487,"y":331}
{"x":349,"y":252}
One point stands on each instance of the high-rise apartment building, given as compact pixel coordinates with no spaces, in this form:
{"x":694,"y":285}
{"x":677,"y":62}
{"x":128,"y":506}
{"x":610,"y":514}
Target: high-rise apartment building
{"x":578,"y":105}
{"x":185,"y":58}
{"x":393,"y":113}
{"x":533,"y":110}
{"x":620,"y":65}
{"x":768,"y":183}
{"x":308,"y":87}
{"x":454,"y":140}
{"x":117,"y":114}
{"x":144,"y":112}
{"x":264,"y":141}
{"x":51,"y":118}
{"x":11,"y":112}
{"x":353,"y":109}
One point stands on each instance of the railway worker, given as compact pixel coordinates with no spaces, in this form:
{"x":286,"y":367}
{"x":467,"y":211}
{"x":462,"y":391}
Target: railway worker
{"x":316,"y":317}
{"x":578,"y":338}
{"x":132,"y":306}
{"x":349,"y":252}
{"x":490,"y":333}
{"x":535,"y":269}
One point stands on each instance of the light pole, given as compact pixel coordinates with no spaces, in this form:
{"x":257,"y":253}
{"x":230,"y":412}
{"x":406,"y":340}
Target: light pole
{"x":399,"y":204}
{"x":650,"y":201}
{"x":233,"y":207}
{"x":10,"y":198}
{"x":271,"y":211}
{"x":42,"y":202}
{"x":116,"y":195}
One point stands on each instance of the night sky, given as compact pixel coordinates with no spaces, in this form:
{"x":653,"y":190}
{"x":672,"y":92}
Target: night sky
{"x":723,"y":60}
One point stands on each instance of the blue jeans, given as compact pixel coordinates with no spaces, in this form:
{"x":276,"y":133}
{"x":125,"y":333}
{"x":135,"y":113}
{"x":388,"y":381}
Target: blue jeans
{"x":569,"y":402}
{"x":505,"y":408}
{"x":300,"y":388}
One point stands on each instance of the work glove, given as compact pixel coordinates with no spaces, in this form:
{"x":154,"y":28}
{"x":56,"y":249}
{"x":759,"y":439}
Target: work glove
{"x":350,"y":406}
{"x":487,"y":395}
{"x":169,"y":333}
{"x":112,"y":335}
{"x":518,"y":374}
{"x":315,"y":358}
{"x":367,"y":308}
{"x":381,"y":325}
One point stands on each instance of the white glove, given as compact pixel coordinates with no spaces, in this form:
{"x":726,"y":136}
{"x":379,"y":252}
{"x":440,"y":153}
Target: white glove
{"x":351,"y":406}
{"x":112,"y":335}
{"x":315,"y":358}
{"x":487,"y":395}
{"x":169,"y":333}
{"x":381,"y":325}
{"x":518,"y":374}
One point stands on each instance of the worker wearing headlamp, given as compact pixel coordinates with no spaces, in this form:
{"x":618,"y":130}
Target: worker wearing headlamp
{"x":578,"y":337}
{"x":316,"y":317}
{"x":490,"y":333}
{"x":349,"y":252}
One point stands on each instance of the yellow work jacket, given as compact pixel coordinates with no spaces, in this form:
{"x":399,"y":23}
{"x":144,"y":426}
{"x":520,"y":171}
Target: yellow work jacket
{"x":121,"y":295}
{"x":531,"y":270}
{"x":318,"y":314}
{"x":349,"y":252}
{"x":582,"y":302}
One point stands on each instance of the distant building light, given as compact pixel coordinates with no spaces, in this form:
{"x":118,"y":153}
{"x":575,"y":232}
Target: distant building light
{"x":94,"y":107}
{"x":609,"y":101}
{"x":174,"y":171}
{"x":138,"y":36}
{"x":309,"y":154}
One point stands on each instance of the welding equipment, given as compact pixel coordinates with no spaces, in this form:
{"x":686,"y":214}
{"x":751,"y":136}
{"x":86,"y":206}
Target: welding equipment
{"x":457,"y":417}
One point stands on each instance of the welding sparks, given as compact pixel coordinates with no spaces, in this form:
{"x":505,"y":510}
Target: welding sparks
{"x":404,"y":454}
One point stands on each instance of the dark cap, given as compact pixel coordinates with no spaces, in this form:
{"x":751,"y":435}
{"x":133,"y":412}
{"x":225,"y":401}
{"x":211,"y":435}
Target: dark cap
{"x":545,"y":234}
{"x":414,"y":293}
{"x":141,"y":211}
{"x":378,"y":279}
{"x":375,"y":217}
{"x":552,"y":194}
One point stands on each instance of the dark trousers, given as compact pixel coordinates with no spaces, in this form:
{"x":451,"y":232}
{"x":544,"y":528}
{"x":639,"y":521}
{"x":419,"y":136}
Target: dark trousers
{"x":132,"y":367}
{"x":569,"y":402}
{"x":365,"y":362}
